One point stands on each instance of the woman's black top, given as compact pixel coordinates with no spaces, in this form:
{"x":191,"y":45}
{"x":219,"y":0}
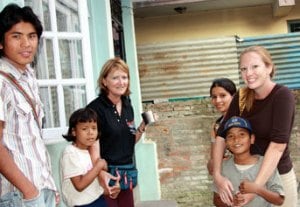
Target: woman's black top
{"x":117,"y":133}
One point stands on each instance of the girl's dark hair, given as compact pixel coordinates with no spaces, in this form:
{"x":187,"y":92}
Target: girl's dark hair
{"x":80,"y":116}
{"x":225,"y":83}
{"x":13,"y":14}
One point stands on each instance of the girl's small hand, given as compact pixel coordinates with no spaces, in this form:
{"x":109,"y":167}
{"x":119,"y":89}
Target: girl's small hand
{"x":104,"y":182}
{"x":115,"y":190}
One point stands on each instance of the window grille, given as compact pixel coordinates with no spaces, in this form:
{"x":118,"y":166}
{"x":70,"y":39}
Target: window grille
{"x":63,"y":64}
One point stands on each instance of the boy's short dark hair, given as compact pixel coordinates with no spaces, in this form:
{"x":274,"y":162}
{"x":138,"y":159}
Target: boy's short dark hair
{"x":13,"y":14}
{"x":236,"y":121}
{"x":80,"y":116}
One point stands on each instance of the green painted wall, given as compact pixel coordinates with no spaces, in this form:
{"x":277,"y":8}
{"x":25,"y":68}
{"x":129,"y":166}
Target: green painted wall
{"x":100,"y":34}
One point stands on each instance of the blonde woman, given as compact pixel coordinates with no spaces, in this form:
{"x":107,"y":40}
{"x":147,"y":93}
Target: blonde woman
{"x":270,"y":108}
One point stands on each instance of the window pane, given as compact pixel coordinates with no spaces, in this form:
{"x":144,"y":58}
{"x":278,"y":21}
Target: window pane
{"x":49,"y":98}
{"x":42,"y":10}
{"x":75,"y":98}
{"x":59,"y":63}
{"x":71,"y":58}
{"x":295,"y":27}
{"x":45,"y":63}
{"x":46,"y":15}
{"x":67,"y":16}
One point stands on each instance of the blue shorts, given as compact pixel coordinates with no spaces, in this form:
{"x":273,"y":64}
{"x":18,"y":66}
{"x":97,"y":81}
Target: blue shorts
{"x":100,"y":202}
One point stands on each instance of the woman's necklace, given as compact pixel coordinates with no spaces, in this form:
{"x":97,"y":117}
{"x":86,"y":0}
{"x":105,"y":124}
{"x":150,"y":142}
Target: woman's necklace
{"x":117,"y":101}
{"x":119,"y":107}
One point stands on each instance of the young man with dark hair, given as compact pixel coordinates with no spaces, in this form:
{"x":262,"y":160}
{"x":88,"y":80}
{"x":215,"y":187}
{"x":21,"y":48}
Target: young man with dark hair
{"x":25,"y":169}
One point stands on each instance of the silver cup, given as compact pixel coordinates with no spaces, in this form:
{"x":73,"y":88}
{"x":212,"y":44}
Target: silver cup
{"x":148,"y":117}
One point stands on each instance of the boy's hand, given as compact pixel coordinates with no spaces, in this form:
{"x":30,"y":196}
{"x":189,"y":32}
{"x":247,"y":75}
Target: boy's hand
{"x":248,"y":187}
{"x":31,"y":192}
{"x":218,"y":202}
{"x":238,"y":199}
{"x":243,"y":199}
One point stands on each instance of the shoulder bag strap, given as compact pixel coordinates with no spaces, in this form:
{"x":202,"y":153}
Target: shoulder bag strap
{"x":23,"y":92}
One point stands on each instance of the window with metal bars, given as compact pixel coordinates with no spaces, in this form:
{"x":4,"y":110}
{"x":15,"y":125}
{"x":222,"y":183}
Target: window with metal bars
{"x":294,"y":26}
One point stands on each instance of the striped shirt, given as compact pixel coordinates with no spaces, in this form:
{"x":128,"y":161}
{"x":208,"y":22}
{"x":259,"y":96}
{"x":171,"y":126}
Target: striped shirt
{"x":22,"y":135}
